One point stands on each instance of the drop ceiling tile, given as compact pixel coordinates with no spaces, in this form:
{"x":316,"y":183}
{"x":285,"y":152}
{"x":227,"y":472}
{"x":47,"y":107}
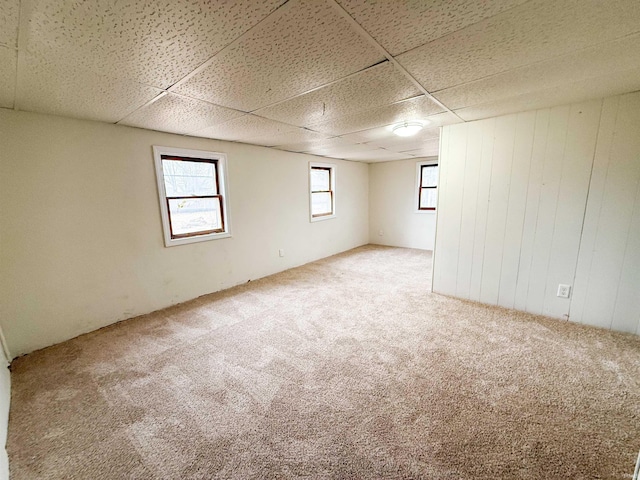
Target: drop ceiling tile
{"x":536,"y":31}
{"x":602,"y":60}
{"x":376,"y":155}
{"x":304,"y":46}
{"x":318,"y":144}
{"x":599,"y":87}
{"x":294,"y":136}
{"x":340,"y":151}
{"x":384,"y":136}
{"x":402,"y":25}
{"x":9,"y":14}
{"x":45,"y":87}
{"x":410,"y":145}
{"x":8,"y":63}
{"x":427,"y":151}
{"x":245,"y":128}
{"x":375,"y":87}
{"x":418,"y":108}
{"x":177,"y":114}
{"x":153,"y":42}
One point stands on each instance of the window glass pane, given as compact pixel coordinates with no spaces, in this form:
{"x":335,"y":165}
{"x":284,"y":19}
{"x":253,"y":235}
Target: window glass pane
{"x":320,"y":179}
{"x":429,"y":176}
{"x":428,"y":198}
{"x":183,"y":178}
{"x":192,"y":215}
{"x":320,"y":204}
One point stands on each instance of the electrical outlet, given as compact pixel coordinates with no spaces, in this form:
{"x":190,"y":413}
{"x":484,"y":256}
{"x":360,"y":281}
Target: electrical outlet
{"x":381,"y":232}
{"x":281,"y":252}
{"x":564,"y":290}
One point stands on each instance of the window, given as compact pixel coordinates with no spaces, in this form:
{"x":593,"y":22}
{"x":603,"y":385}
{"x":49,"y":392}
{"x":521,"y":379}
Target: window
{"x":322,"y":181}
{"x":427,"y":197}
{"x":192,"y":191}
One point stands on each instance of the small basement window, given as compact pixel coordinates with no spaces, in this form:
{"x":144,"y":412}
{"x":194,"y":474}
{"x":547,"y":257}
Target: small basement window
{"x":322,"y":181}
{"x":427,"y":193}
{"x":192,"y":191}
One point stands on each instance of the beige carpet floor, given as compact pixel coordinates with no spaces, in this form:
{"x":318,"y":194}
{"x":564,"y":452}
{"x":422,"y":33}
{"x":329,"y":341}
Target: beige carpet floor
{"x":346,"y":368}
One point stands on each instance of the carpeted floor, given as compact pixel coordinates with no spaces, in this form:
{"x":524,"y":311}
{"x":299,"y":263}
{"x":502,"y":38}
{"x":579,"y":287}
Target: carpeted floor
{"x":344,"y":368}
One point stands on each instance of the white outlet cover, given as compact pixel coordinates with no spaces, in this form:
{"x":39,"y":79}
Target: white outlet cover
{"x":564,"y":290}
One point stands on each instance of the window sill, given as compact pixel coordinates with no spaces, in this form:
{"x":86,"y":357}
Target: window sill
{"x":425,"y":211}
{"x":324,"y":217}
{"x":168,"y":242}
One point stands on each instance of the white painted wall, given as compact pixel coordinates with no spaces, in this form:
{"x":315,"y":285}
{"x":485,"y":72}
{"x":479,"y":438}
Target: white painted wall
{"x":515,"y":194}
{"x":392,"y":206}
{"x":513,"y":191}
{"x":81,"y":236}
{"x":607,"y":284}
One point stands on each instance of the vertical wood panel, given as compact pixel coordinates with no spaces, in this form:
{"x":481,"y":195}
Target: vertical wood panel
{"x":442,"y":215}
{"x":531,"y":212}
{"x":482,"y":206}
{"x":626,"y":316}
{"x":594,"y":206}
{"x":498,"y":201}
{"x":469,"y":209}
{"x":453,"y":191}
{"x":572,"y":199}
{"x":525,"y":127}
{"x":615,"y":216}
{"x":543,"y":237}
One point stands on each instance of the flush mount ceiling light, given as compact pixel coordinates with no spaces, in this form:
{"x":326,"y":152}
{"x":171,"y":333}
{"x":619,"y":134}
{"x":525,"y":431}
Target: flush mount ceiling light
{"x":407,"y":129}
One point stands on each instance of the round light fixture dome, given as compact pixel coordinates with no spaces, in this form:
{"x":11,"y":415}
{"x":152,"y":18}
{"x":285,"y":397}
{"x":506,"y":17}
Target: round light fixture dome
{"x":407,"y":129}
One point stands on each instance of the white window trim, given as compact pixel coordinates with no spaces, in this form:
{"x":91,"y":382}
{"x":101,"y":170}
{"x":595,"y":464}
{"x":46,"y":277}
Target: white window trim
{"x":158,"y":151}
{"x":419,"y":165}
{"x":332,"y":166}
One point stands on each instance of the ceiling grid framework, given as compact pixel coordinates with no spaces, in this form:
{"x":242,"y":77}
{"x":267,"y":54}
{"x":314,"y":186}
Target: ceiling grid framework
{"x":325,"y":77}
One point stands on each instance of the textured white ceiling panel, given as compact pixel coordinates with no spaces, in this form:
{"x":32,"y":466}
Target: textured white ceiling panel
{"x":374,"y":87}
{"x":599,"y":87}
{"x":605,"y":60}
{"x":536,"y":31}
{"x":243,"y":128}
{"x":294,"y":136}
{"x":339,"y":151}
{"x":177,"y":114}
{"x":417,"y":108}
{"x":44,"y":86}
{"x":409,"y":146}
{"x":156,"y":42}
{"x":384,"y":136}
{"x":430,"y":150}
{"x":376,"y":155}
{"x":305,"y":45}
{"x":8,"y":62}
{"x":318,"y":144}
{"x":9,"y":15}
{"x":400,"y":25}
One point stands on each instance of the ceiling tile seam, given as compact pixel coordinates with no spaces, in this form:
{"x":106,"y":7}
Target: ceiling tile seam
{"x":359,"y":112}
{"x":527,"y":65}
{"x":275,"y":14}
{"x":145,"y":104}
{"x":9,"y":47}
{"x":320,"y":87}
{"x":23,"y":26}
{"x":293,"y":127}
{"x":164,"y":92}
{"x":292,"y":97}
{"x":390,"y":57}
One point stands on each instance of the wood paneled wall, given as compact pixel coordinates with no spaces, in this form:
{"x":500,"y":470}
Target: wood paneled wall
{"x":515,"y":194}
